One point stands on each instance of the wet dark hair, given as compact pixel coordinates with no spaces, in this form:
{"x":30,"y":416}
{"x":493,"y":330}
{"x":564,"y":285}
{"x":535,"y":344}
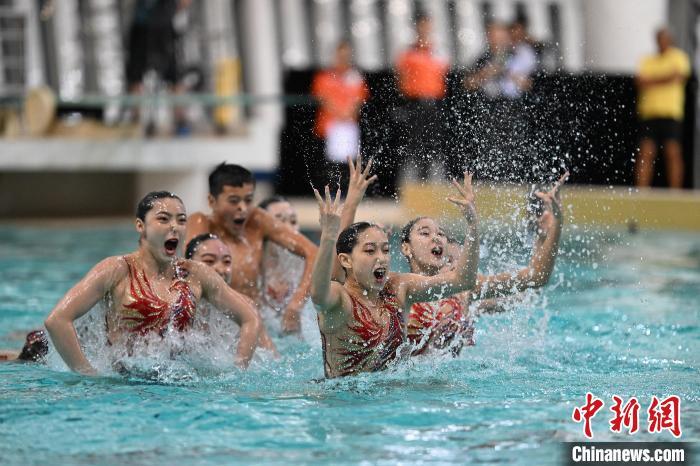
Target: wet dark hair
{"x":228,"y":174}
{"x":271,"y":200}
{"x":348,"y":237}
{"x":149,"y":199}
{"x":35,"y":348}
{"x":406,"y":230}
{"x":194,"y":243}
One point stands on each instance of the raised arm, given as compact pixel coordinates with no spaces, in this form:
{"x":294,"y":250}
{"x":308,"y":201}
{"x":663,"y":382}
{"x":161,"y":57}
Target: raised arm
{"x":76,"y":303}
{"x":418,"y":288}
{"x":298,"y":244}
{"x":327,"y":294}
{"x":357,"y":186}
{"x":544,"y":252}
{"x":235,"y":306}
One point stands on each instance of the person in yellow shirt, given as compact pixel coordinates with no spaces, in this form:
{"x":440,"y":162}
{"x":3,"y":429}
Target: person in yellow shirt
{"x":661,"y":85}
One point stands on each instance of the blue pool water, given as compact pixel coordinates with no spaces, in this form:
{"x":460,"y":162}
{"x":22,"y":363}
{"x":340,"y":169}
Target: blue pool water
{"x":620,"y":316}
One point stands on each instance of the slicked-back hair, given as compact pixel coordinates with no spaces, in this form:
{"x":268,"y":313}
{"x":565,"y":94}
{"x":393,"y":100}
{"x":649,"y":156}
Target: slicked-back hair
{"x":149,"y":199}
{"x":406,"y":230}
{"x":347,"y":239}
{"x":228,"y":174}
{"x":271,"y":200}
{"x":194,"y":243}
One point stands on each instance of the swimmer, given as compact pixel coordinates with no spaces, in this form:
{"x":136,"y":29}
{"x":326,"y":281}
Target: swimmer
{"x":279,"y":268}
{"x":210,"y":250}
{"x":35,"y":349}
{"x":428,"y":251}
{"x":361,"y":321}
{"x":149,"y":292}
{"x":245,"y":229}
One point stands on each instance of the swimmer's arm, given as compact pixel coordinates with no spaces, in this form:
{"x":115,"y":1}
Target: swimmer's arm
{"x":76,"y":303}
{"x":326,"y":294}
{"x":419,"y":288}
{"x":358,"y":183}
{"x":535,"y":275}
{"x":235,"y":306}
{"x":197,"y":224}
{"x":544,"y":252}
{"x":298,"y":244}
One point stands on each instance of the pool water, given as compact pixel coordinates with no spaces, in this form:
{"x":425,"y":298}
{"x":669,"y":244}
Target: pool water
{"x":620,"y":316}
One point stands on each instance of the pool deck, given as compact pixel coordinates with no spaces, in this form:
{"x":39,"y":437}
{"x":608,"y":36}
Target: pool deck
{"x":618,"y":206}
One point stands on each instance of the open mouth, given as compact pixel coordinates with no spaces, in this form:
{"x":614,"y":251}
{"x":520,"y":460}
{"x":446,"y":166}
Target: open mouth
{"x":437,"y":251}
{"x":171,"y":246}
{"x":238,"y":221}
{"x":380,"y":274}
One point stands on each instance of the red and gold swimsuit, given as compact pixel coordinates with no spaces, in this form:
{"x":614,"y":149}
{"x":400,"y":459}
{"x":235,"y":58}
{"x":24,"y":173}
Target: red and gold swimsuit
{"x":437,"y":324}
{"x":371,"y":345}
{"x":149,"y":313}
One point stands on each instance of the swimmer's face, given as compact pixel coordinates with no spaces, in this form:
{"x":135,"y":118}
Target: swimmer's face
{"x":369,"y":260}
{"x":217,"y":255}
{"x":163,"y":228}
{"x":285,"y":213}
{"x":232,"y":206}
{"x":425,"y":249}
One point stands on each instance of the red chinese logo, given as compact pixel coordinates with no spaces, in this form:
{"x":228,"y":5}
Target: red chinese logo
{"x":586,"y":412}
{"x":627,"y":416}
{"x":665,"y":415}
{"x":662,"y":415}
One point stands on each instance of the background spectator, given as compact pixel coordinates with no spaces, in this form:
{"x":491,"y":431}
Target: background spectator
{"x":341,"y":91}
{"x":503,"y":70}
{"x":152,"y":46}
{"x":421,"y":81}
{"x":661,"y":84}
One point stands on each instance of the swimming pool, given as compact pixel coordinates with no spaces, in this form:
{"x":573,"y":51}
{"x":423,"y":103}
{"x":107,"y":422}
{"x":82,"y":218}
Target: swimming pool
{"x":620,"y":317}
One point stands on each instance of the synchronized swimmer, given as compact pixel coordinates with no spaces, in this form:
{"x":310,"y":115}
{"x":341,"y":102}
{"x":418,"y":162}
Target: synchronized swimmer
{"x":367,"y":315}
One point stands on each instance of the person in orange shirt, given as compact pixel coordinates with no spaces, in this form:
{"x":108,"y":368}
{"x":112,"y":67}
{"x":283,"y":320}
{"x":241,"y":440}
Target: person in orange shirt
{"x":661,"y":84}
{"x":341,"y":91}
{"x":421,"y":80}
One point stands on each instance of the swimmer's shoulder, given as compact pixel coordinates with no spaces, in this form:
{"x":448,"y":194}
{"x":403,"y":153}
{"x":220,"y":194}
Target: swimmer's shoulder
{"x":198,"y":223}
{"x":259,"y":223}
{"x":112,"y":270}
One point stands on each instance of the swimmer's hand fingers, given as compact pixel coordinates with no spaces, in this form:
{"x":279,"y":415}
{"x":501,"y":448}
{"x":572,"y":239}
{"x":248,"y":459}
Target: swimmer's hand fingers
{"x":329,"y":210}
{"x":465,"y":201}
{"x":360,"y":178}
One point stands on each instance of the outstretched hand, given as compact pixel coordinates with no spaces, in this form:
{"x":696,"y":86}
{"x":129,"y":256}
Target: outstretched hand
{"x":465,"y":200}
{"x":329,"y":212}
{"x":551,"y":203}
{"x":359,"y":179}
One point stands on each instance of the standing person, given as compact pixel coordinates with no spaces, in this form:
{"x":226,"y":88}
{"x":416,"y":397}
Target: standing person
{"x":341,"y":91}
{"x":245,"y":228}
{"x":491,"y":73}
{"x":661,"y":84}
{"x":152,"y":44}
{"x":361,"y":321}
{"x":149,"y":292}
{"x":420,"y":74}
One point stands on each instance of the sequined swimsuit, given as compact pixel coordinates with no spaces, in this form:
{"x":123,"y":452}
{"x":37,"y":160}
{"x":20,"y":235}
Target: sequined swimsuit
{"x":149,"y":313}
{"x":427,"y":326}
{"x":371,"y":345}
